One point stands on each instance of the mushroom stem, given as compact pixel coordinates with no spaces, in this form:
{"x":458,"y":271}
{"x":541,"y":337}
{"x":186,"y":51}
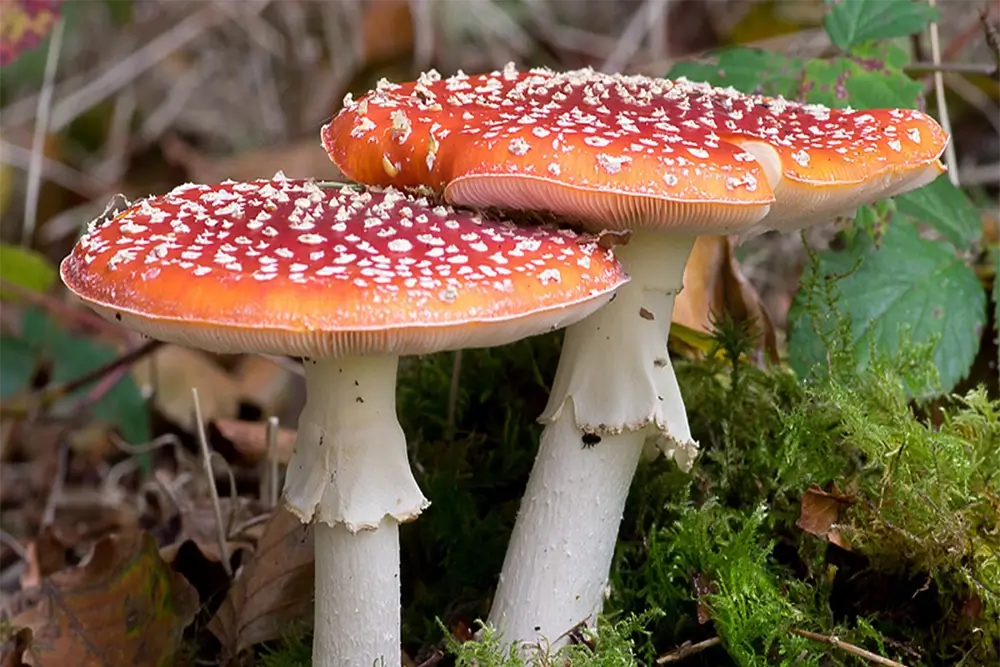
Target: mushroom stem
{"x":357,"y":617}
{"x":350,"y":473}
{"x":614,"y":390}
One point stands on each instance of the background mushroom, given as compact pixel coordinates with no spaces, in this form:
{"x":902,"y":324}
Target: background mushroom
{"x":349,"y":280}
{"x":668,"y":160}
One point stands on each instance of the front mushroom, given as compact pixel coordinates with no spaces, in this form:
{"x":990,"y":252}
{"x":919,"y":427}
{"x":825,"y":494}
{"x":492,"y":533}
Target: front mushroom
{"x":349,"y":280}
{"x":667,"y":160}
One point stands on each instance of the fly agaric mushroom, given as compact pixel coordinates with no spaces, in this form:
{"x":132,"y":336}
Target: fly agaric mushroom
{"x":669,"y":160}
{"x":349,"y":280}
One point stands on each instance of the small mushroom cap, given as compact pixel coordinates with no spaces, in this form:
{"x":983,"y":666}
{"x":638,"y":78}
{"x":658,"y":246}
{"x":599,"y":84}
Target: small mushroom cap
{"x":292,"y":267}
{"x":622,"y":151}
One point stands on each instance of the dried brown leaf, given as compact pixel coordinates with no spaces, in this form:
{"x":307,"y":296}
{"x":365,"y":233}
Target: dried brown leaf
{"x":715,"y":284}
{"x":250,"y":439}
{"x":46,"y":555}
{"x":198,"y":525}
{"x":13,"y":649}
{"x":273,"y":592}
{"x":820,"y":514}
{"x":263,"y":383}
{"x":178,"y":369}
{"x":124,"y":607}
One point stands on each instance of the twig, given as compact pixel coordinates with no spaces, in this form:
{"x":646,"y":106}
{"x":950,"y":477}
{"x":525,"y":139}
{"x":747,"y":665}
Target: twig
{"x":62,"y":465}
{"x":686,"y":649}
{"x":42,"y":112}
{"x":206,"y":463}
{"x":272,"y":462}
{"x":14,"y":544}
{"x":942,"y":103}
{"x":954,"y":68}
{"x":836,"y":642}
{"x":53,"y":393}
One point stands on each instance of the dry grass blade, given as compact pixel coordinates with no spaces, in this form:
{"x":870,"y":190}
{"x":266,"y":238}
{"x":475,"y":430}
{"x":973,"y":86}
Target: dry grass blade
{"x":273,"y":592}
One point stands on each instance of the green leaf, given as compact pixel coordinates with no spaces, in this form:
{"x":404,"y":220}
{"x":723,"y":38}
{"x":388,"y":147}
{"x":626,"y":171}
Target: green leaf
{"x":907,"y":289}
{"x":945,"y":208}
{"x":18,"y":364}
{"x":25,"y":268}
{"x":747,"y":70}
{"x":122,"y":405}
{"x":851,"y":22}
{"x":867,"y":84}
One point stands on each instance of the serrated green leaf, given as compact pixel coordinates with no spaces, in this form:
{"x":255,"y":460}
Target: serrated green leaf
{"x":881,"y":55}
{"x":25,"y":268}
{"x":18,"y":364}
{"x":852,"y":22}
{"x":844,"y":82}
{"x":908,"y":289}
{"x":71,"y":357}
{"x":747,"y":70}
{"x":945,"y":208}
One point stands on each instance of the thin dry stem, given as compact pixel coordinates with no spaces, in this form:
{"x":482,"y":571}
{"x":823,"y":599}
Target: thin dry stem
{"x":38,"y":140}
{"x":206,"y":462}
{"x":687,"y":649}
{"x":58,"y":484}
{"x":845,"y":646}
{"x":273,"y":485}
{"x":942,"y":104}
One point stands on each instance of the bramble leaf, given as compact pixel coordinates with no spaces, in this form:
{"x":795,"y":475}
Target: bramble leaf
{"x":852,"y":22}
{"x":862,"y":84}
{"x":747,"y":70}
{"x":18,"y":364}
{"x":906,"y":290}
{"x":72,"y":357}
{"x":945,"y":208}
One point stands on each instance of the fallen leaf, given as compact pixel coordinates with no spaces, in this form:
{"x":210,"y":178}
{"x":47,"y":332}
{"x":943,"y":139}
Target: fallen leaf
{"x":250,"y":439}
{"x":263,"y":383}
{"x":273,"y":592}
{"x":715,"y":284}
{"x":199,"y":526}
{"x":46,"y":555}
{"x":123,"y":607}
{"x":820,"y":514}
{"x":178,"y":369}
{"x":13,"y":650}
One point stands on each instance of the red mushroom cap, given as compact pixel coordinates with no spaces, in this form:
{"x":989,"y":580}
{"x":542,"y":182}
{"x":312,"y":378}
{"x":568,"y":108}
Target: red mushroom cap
{"x":611,"y":152}
{"x":291,"y":267}
{"x":625,"y":151}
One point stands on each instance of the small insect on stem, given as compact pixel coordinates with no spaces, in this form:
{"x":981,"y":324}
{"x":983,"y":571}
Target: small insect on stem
{"x":590,"y":439}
